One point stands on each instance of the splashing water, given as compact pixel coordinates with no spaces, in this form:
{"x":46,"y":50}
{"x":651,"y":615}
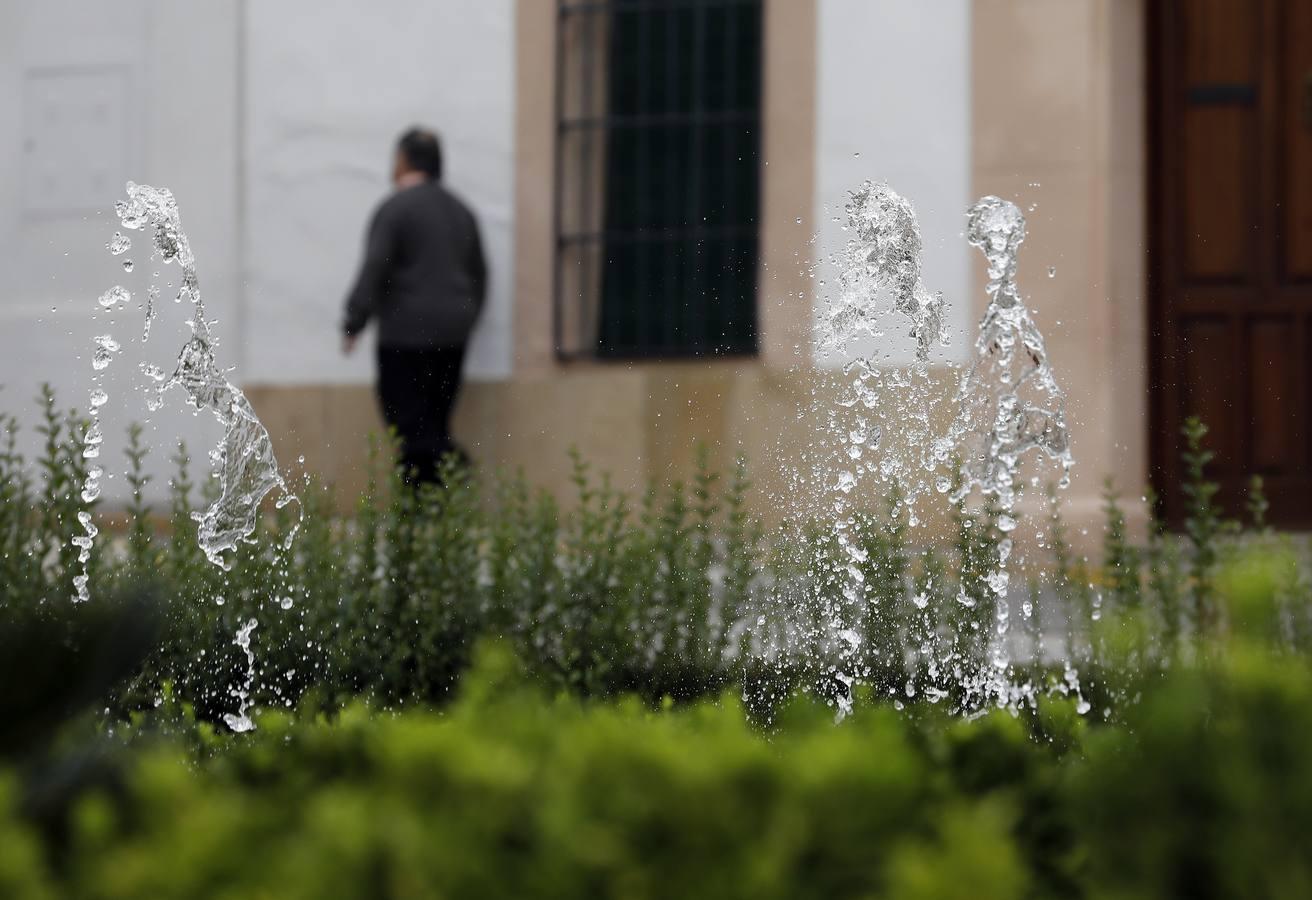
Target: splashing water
{"x":119,"y":244}
{"x":1009,"y":400}
{"x":882,"y":258}
{"x":83,"y":544}
{"x":244,"y":461}
{"x":105,"y":349}
{"x":115,"y":296}
{"x":247,"y":469}
{"x":880,"y":280}
{"x":240,"y":721}
{"x":152,"y":300}
{"x":1007,"y":404}
{"x":1009,"y":389}
{"x":901,"y":429}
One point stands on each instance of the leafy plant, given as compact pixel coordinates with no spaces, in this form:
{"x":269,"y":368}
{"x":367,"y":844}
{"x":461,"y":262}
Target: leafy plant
{"x":1257,"y":504}
{"x":1166,"y":578}
{"x":675,"y":594}
{"x":1120,"y":558}
{"x":1202,"y":524}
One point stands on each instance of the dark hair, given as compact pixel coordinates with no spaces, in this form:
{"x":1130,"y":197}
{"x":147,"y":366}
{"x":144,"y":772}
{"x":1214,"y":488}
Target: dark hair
{"x":422,"y":150}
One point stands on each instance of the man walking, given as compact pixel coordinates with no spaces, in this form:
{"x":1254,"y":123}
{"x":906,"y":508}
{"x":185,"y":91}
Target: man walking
{"x":424,"y":279}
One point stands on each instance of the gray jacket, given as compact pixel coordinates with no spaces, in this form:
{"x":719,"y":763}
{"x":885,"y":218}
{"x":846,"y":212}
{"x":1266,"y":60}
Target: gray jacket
{"x":423,"y":276}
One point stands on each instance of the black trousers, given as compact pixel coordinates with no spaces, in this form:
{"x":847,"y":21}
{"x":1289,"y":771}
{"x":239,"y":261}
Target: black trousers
{"x":417,"y":389}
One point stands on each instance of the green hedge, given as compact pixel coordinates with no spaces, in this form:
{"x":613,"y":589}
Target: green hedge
{"x":676,"y":592}
{"x":1204,"y":791}
{"x":1207,"y":790}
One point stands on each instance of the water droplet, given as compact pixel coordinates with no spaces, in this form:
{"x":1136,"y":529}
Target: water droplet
{"x":240,"y":721}
{"x":119,"y":243}
{"x":115,"y":296}
{"x":106,"y":347}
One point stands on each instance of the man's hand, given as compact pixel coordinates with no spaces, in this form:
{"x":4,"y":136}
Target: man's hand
{"x":348,"y":343}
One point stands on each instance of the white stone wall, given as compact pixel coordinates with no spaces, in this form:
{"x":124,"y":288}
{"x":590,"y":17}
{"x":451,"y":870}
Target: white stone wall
{"x":272,"y":122}
{"x":91,"y":95}
{"x":894,"y":87}
{"x":330,"y":84}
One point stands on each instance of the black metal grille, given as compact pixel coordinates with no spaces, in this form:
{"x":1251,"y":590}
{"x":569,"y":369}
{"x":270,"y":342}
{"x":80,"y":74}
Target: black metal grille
{"x":657,"y":177}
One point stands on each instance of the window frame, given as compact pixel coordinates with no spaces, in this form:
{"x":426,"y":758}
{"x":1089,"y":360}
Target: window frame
{"x":595,"y":124}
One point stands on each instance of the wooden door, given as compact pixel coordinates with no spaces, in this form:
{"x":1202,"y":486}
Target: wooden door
{"x":1231,"y":245}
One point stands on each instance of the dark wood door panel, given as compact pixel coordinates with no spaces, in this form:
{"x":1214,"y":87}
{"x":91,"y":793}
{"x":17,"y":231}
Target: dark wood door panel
{"x":1295,"y":98}
{"x":1211,"y":390}
{"x":1219,"y":159}
{"x":1270,"y":369}
{"x":1216,"y":40}
{"x":1231,"y":244}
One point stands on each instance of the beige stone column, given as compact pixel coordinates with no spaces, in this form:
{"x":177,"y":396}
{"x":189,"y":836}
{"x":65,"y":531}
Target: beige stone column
{"x":1058,"y":100}
{"x":535,"y":110}
{"x":784,"y":288}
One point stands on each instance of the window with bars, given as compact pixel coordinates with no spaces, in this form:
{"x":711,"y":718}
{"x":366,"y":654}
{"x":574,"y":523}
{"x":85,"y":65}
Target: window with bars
{"x":657,"y":177}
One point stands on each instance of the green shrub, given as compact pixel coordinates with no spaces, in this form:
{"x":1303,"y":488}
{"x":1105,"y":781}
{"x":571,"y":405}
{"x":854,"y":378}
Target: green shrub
{"x":23,"y":863}
{"x":677,"y":593}
{"x":1207,"y":790}
{"x":1204,"y":790}
{"x":1202,"y":525}
{"x":509,"y":794}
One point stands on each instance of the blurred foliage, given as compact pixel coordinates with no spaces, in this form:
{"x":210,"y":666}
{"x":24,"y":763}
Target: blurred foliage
{"x":610,"y":741}
{"x":1204,"y":791}
{"x":676,"y":593}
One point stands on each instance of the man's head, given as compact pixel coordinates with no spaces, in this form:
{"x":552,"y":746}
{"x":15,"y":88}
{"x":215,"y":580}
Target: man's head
{"x":418,"y":151}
